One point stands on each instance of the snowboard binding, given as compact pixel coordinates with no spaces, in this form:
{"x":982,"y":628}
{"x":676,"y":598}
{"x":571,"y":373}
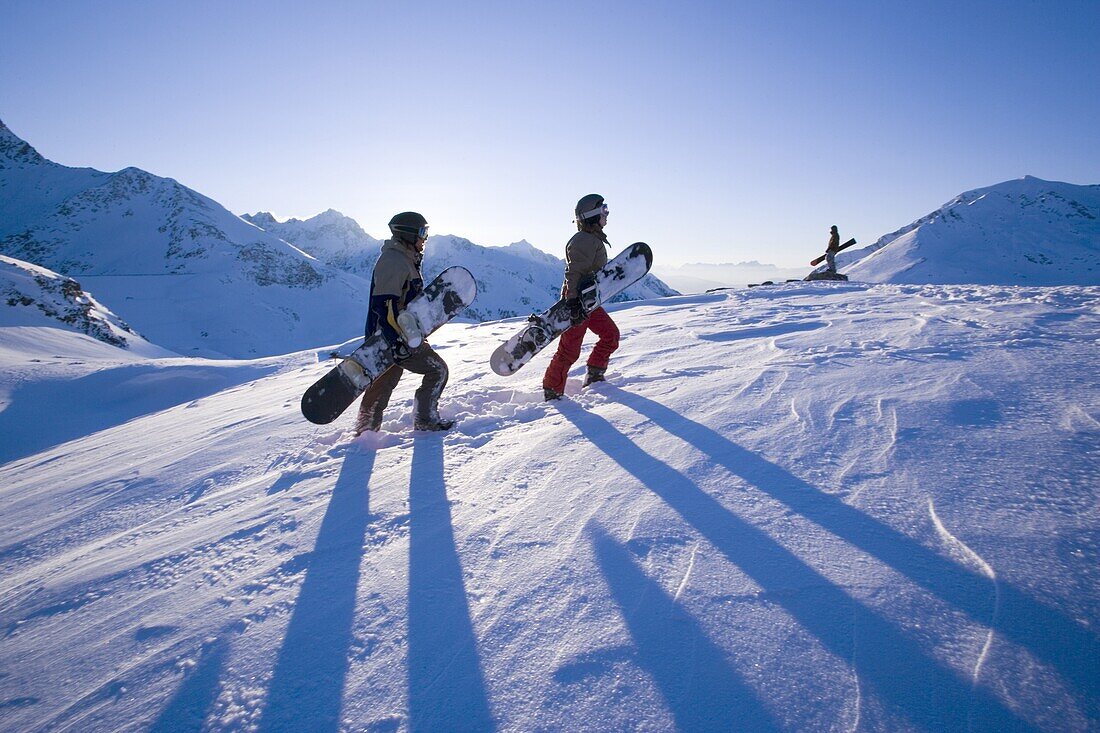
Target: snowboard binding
{"x":539,"y":331}
{"x":589,"y":294}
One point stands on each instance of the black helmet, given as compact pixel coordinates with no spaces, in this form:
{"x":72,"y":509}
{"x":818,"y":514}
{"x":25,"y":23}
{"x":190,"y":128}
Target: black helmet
{"x":408,"y":226}
{"x":590,"y":207}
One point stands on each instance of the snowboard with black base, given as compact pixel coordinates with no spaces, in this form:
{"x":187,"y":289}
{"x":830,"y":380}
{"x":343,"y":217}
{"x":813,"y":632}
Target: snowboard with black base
{"x":442,"y":300}
{"x":818,"y":260}
{"x":596,"y":289}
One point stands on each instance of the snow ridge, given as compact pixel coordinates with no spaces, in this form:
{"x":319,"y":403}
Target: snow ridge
{"x":976,"y":560}
{"x":53,"y":298}
{"x":1022,"y":232}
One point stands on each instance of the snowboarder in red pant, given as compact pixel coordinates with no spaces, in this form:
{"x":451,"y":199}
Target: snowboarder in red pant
{"x":585,"y":253}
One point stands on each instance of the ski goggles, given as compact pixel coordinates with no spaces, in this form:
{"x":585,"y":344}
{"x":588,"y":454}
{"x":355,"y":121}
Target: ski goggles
{"x":422,"y":232}
{"x":601,"y":209}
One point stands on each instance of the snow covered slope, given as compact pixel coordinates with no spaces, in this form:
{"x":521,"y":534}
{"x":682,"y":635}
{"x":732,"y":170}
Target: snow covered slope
{"x":809,"y":507}
{"x":177,"y":266}
{"x":1023,"y":232}
{"x":35,"y":296}
{"x":515,"y":280}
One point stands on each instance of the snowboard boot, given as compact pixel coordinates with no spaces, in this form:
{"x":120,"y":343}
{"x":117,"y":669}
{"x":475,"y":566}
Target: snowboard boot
{"x":549,"y":394}
{"x":595,"y":374}
{"x":367,"y":422}
{"x":433,"y":424}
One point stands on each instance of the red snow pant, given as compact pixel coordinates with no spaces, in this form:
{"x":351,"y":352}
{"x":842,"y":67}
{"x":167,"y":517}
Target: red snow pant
{"x":569,"y":348}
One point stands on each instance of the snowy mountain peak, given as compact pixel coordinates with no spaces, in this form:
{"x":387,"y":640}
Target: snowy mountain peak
{"x":1024,"y":231}
{"x":525,"y":249}
{"x":201,"y":281}
{"x":327,"y":218}
{"x":329,"y":236}
{"x":16,"y":150}
{"x":329,"y":215}
{"x":178,"y":266}
{"x":262,"y":219}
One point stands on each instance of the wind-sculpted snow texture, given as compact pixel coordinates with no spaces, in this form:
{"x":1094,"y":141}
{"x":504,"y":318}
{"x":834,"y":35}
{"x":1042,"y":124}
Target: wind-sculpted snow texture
{"x":809,"y":507}
{"x":1023,"y":232}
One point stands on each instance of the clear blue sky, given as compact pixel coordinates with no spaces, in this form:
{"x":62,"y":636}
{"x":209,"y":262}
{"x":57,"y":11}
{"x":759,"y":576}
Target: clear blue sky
{"x":718,"y":132}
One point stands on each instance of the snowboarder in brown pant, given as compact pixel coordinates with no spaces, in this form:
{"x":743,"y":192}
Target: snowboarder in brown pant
{"x":395,"y":282}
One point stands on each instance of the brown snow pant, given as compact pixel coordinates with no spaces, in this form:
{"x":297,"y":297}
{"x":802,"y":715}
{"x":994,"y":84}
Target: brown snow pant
{"x":423,"y":360}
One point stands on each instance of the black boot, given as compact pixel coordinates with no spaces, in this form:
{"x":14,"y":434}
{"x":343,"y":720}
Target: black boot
{"x":550,"y":394}
{"x":433,"y":424}
{"x":595,"y":374}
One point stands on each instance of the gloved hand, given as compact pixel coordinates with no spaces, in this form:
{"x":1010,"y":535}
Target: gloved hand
{"x":401,"y":350}
{"x":576,"y":310}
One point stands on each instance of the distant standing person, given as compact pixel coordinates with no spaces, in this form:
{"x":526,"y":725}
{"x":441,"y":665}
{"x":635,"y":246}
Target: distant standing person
{"x":395,"y":282}
{"x":831,"y":250}
{"x":585,"y":253}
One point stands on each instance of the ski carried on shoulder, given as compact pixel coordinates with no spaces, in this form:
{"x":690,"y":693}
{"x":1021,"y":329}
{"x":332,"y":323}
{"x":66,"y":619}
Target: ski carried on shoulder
{"x":618,"y":274}
{"x":818,"y":260}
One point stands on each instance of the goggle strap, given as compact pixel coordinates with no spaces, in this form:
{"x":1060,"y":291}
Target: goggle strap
{"x":601,"y":209}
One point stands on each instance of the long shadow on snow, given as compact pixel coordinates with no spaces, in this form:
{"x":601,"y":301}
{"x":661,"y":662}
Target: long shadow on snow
{"x":446,"y":685}
{"x":1045,"y":631}
{"x":195,"y":698}
{"x":308,"y":682}
{"x":701,"y":688}
{"x":899,"y":674}
{"x":47,"y":414}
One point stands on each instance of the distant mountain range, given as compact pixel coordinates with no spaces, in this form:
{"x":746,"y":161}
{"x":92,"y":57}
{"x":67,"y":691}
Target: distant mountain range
{"x":696,"y":277}
{"x":191,"y":276}
{"x":1021,"y":232}
{"x":512,"y":281}
{"x":129,"y":256}
{"x":175,"y":265}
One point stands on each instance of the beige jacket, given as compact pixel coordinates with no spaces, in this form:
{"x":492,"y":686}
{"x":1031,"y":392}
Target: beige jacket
{"x":396,"y":271}
{"x":584,"y":253}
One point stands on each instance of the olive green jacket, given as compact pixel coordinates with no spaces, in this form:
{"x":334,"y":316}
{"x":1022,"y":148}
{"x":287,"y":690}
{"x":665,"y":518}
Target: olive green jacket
{"x":397,"y":271}
{"x":584,"y":253}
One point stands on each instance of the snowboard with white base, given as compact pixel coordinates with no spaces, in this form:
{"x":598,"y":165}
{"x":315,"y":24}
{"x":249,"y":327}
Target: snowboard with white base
{"x":442,"y":299}
{"x":617,"y":275}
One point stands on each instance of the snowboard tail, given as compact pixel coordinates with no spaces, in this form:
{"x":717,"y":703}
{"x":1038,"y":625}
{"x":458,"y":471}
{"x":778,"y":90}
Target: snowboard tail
{"x":624,"y":270}
{"x":442,"y":300}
